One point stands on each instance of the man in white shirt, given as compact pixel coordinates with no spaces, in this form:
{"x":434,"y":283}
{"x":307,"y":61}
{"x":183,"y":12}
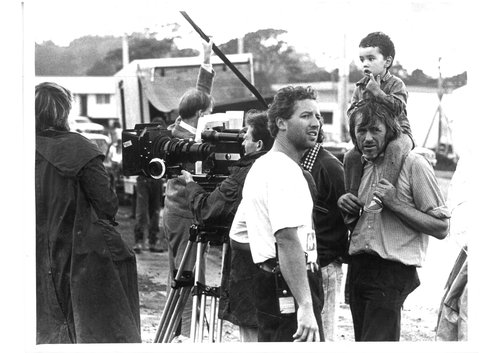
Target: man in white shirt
{"x":276,"y":215}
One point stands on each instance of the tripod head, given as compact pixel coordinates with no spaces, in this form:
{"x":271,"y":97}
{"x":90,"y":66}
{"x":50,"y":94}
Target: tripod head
{"x":216,"y":235}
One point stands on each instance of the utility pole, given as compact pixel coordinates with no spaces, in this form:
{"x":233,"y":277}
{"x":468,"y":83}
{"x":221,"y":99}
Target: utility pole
{"x":342,"y":91}
{"x":440,"y":108}
{"x":241,"y":46}
{"x":125,"y":57}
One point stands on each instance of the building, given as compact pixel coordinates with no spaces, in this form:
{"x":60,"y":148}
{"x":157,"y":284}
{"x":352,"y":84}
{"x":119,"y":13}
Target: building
{"x":93,"y":96}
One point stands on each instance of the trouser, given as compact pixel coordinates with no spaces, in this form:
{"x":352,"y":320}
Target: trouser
{"x":272,"y":325}
{"x":237,"y":303}
{"x":148,"y":206}
{"x":377,"y":291}
{"x":332,"y":282}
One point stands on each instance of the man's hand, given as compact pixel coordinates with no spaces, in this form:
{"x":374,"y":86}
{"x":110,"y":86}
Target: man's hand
{"x":207,"y":51}
{"x":373,"y":85}
{"x":386,"y":192}
{"x":350,"y":203}
{"x":185,"y":177}
{"x":307,"y":327}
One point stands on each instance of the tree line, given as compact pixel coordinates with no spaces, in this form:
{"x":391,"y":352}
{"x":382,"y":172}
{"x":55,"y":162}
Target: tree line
{"x":275,"y":60}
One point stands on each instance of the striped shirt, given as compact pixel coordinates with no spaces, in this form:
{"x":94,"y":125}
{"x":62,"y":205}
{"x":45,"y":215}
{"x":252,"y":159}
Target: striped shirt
{"x":384,"y":233}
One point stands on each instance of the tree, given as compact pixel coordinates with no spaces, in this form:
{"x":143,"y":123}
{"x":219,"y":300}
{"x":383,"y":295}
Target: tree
{"x":275,"y":61}
{"x":73,"y":60}
{"x":141,"y":46}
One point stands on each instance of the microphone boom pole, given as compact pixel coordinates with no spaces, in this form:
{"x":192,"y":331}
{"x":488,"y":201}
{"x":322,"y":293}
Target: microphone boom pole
{"x":226,"y":61}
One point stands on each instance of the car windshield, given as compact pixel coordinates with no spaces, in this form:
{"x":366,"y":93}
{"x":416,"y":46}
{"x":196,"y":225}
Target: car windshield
{"x":101,"y":144}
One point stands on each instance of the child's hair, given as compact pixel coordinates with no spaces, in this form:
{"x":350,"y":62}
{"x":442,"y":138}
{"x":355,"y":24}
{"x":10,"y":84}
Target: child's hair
{"x":381,"y":41}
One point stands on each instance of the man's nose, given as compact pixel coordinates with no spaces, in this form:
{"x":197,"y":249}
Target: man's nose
{"x":368,"y":136}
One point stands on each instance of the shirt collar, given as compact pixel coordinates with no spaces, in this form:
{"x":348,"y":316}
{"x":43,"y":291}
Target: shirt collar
{"x":377,"y":160}
{"x":187,"y":127}
{"x":310,"y":157}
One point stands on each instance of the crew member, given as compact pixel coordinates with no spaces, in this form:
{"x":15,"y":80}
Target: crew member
{"x":276,"y":212}
{"x":218,"y":208}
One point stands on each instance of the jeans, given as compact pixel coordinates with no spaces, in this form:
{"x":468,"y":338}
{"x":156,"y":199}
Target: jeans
{"x":332,"y":281}
{"x":377,"y":291}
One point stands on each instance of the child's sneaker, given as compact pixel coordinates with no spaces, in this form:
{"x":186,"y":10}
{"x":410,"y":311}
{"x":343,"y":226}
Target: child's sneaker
{"x":375,"y":206}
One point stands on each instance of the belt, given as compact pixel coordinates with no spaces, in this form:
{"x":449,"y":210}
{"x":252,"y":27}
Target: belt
{"x":271,"y":266}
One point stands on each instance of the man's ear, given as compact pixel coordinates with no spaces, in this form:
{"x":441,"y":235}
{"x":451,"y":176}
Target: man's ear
{"x":388,"y":61}
{"x":281,"y":123}
{"x":260,"y":145}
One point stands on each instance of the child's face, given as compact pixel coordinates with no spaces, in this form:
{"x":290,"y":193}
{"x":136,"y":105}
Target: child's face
{"x":373,"y":61}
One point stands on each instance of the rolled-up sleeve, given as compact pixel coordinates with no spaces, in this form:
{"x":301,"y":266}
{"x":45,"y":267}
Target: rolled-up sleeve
{"x":427,"y":194}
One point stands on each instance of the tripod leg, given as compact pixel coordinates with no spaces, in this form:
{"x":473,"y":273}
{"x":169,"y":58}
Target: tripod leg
{"x":167,"y":312}
{"x":225,"y":247}
{"x":173,"y":297}
{"x":203,"y":304}
{"x":176,"y":314}
{"x":195,"y":317}
{"x":211,"y":325}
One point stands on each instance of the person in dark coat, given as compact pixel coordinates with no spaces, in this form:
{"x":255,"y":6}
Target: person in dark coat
{"x":86,"y":276}
{"x":331,"y":232}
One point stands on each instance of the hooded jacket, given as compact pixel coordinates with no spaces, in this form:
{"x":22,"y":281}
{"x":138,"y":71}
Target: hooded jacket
{"x":86,"y":276}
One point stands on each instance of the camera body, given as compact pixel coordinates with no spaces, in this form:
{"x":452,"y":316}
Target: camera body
{"x":151,"y":150}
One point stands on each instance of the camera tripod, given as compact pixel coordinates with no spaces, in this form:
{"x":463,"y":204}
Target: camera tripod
{"x":181,"y":287}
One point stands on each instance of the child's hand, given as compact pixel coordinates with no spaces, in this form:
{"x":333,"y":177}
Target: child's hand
{"x":373,"y":84}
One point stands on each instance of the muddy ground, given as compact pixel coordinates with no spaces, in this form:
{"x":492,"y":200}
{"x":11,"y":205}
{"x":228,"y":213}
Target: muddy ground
{"x":419,"y":313}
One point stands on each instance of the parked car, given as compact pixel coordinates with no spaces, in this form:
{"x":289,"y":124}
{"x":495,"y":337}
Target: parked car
{"x":84,"y":124}
{"x":101,"y":141}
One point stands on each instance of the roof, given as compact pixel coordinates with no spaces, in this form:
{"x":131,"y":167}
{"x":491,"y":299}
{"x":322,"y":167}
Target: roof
{"x":82,"y":84}
{"x":131,"y":68}
{"x":330,"y":85}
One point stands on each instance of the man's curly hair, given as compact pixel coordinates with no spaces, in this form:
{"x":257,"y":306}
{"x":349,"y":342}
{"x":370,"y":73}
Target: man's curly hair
{"x":283,"y":105}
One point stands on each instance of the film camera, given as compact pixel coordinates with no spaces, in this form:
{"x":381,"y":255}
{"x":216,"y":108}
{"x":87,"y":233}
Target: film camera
{"x":151,"y":150}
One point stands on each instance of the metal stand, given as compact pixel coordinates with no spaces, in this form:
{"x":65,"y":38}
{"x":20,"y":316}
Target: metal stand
{"x":184,"y":282}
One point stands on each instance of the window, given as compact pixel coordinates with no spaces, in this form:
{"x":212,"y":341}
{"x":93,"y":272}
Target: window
{"x":103,"y":98}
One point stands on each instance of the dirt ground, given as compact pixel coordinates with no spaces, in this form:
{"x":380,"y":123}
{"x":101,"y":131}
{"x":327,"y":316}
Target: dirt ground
{"x":419,"y":313}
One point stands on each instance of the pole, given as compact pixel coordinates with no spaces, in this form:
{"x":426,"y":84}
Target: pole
{"x":342,"y":89}
{"x":440,"y":108}
{"x":226,"y":61}
{"x":125,"y":50}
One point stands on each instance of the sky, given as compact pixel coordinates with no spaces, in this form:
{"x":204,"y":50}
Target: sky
{"x":423,"y":31}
